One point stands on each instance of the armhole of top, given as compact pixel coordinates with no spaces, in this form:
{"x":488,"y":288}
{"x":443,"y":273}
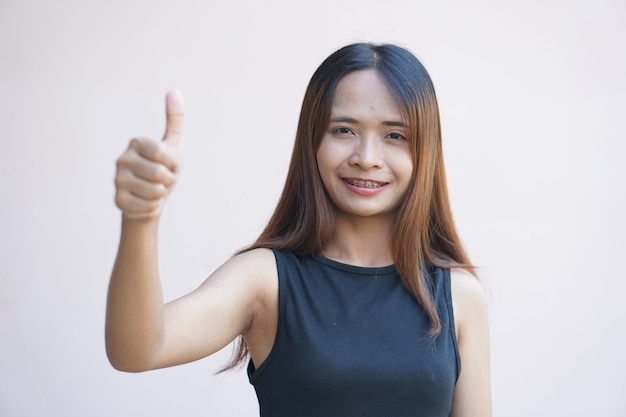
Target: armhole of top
{"x":451,"y":325}
{"x":255,"y":373}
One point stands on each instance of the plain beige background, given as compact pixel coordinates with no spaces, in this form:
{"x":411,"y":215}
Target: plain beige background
{"x":532,"y":97}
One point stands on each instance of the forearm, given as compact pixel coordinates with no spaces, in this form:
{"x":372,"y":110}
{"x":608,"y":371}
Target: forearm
{"x":134,"y":319}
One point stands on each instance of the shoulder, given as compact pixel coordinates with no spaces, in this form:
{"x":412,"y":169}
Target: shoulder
{"x":258,"y":260}
{"x":250,"y":275}
{"x":246,"y":286}
{"x":259,"y":265}
{"x":469,"y":301}
{"x":466,"y":288}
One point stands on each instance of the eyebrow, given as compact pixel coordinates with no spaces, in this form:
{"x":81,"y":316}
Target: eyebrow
{"x":356,"y":122}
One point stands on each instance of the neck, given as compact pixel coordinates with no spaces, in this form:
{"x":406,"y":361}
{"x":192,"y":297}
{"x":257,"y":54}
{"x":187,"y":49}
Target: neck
{"x":361,"y":242}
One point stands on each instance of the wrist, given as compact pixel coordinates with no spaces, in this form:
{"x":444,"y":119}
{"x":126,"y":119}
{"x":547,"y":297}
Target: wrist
{"x":143,"y":222}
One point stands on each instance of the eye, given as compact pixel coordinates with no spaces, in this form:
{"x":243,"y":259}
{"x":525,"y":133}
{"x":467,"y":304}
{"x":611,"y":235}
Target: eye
{"x":396,"y":136}
{"x":342,"y":131}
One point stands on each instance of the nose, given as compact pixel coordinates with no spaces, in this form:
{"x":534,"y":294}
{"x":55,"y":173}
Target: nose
{"x":366,"y":153}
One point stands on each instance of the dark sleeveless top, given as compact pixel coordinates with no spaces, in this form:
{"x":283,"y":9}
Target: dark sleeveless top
{"x":352,"y":341}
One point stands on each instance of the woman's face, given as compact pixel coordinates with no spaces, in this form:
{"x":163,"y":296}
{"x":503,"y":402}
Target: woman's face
{"x":364,"y":159}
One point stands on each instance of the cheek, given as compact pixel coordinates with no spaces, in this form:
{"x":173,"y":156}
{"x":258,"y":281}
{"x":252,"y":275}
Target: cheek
{"x":325,"y":160}
{"x":404,"y":166}
{"x":408,"y":170}
{"x":322,"y":168}
{"x":405,"y":176}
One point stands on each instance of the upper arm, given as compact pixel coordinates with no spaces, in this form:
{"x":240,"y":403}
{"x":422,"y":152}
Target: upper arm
{"x":220,"y":309}
{"x":472,"y":395}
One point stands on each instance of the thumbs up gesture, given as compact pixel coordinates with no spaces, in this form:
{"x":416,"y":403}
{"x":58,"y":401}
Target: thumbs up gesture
{"x":148,"y":170}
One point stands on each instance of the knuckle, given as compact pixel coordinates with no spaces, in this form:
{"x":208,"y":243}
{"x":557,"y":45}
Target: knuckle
{"x":135,"y":145}
{"x":121,"y":181}
{"x":121,"y":161}
{"x":144,"y":146}
{"x":125,"y":160}
{"x":121,"y":200}
{"x":157,"y":173}
{"x":159,"y":191}
{"x":137,"y":142}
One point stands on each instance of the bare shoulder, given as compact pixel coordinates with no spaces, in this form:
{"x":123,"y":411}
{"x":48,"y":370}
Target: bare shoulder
{"x":257,"y":267}
{"x":242,"y":282}
{"x":257,"y":261}
{"x":468,"y":298}
{"x":261,"y":263}
{"x":467,"y":290}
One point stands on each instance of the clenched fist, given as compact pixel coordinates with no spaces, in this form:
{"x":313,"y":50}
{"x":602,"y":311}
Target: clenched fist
{"x":147,"y":170}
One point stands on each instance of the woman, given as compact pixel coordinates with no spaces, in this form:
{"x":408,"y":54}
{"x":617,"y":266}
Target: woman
{"x":358,"y":297}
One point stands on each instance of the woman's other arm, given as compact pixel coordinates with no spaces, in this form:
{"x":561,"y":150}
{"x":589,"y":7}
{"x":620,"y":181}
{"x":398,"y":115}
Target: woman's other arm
{"x":472,"y":395}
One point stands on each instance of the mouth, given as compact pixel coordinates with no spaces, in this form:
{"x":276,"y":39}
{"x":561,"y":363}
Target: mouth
{"x":364,"y":183}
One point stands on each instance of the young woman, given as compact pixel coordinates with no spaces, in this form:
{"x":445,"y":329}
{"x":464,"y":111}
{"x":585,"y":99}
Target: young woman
{"x":358,"y":298}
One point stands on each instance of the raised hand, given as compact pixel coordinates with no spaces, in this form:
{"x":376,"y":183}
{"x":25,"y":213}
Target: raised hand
{"x":148,"y":170}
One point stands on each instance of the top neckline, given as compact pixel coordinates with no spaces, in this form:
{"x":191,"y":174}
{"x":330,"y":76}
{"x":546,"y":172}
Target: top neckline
{"x":363,"y":270}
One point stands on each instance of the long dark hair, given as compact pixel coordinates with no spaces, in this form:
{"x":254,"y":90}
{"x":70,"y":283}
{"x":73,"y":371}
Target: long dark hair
{"x":424,"y":229}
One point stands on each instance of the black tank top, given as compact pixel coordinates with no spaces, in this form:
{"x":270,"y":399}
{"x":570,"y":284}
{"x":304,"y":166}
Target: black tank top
{"x":352,"y":341}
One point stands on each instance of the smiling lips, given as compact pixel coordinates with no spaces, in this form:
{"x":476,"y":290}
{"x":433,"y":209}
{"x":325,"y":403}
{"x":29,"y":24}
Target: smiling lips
{"x":364,"y":184}
{"x":364,"y":187}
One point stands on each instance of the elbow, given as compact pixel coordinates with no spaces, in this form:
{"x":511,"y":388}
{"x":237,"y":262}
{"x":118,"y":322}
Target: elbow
{"x":124,"y":361}
{"x":126,"y":367}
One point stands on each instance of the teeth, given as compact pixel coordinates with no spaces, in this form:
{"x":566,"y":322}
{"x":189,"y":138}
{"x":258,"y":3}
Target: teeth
{"x":364,"y":184}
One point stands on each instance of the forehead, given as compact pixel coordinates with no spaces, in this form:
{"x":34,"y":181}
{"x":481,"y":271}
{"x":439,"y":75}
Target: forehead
{"x":364,"y":92}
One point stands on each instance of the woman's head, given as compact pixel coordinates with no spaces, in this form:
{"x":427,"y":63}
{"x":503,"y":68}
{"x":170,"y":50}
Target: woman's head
{"x":304,"y":204}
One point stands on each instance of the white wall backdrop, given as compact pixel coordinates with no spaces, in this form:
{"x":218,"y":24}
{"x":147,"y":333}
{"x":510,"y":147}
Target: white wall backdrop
{"x":532,"y":97}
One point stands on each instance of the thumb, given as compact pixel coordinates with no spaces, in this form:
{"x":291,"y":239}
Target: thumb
{"x":175,"y":113}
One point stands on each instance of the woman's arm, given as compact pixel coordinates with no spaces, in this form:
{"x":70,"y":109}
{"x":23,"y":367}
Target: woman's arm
{"x":141,"y":332}
{"x":472,"y":395}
